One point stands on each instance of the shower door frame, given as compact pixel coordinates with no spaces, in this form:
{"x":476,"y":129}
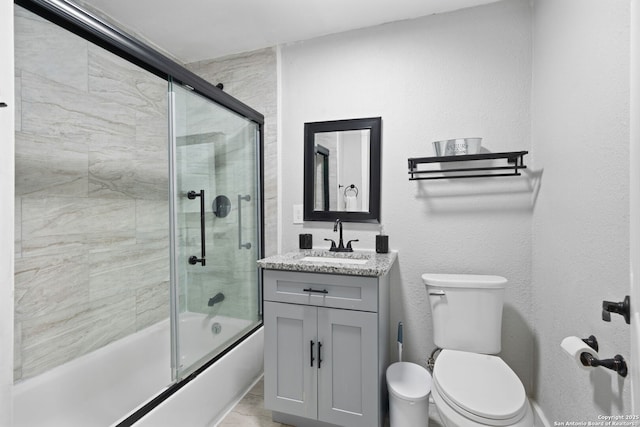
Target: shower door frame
{"x":177,"y":373}
{"x":102,"y":33}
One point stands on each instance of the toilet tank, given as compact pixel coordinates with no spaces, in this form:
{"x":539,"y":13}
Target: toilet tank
{"x":466,"y":311}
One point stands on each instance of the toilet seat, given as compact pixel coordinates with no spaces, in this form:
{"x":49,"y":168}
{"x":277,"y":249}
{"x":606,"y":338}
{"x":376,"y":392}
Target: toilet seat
{"x":480,"y":387}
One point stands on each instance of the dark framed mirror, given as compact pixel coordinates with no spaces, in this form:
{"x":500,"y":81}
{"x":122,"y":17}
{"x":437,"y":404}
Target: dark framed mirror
{"x":342,"y":170}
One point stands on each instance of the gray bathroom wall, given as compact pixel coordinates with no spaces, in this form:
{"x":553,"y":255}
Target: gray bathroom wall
{"x":549,"y":76}
{"x":581,"y":222}
{"x":91,"y":220}
{"x":460,"y":74}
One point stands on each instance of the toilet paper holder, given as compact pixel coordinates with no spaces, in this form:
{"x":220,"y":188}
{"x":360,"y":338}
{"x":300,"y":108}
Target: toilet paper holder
{"x":617,"y":363}
{"x":591,"y":342}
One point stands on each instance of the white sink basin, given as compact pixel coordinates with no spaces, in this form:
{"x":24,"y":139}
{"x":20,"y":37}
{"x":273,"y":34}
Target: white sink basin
{"x":335,"y":260}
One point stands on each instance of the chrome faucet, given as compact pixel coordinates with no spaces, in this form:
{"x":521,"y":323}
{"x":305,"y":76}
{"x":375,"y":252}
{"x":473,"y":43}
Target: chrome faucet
{"x":340,"y":247}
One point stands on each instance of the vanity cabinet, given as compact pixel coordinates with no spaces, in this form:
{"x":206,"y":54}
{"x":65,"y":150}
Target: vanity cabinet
{"x":326,"y":348}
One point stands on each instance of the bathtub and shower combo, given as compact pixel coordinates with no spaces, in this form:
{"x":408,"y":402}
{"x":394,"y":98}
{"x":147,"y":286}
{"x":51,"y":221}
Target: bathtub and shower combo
{"x":138,"y":222}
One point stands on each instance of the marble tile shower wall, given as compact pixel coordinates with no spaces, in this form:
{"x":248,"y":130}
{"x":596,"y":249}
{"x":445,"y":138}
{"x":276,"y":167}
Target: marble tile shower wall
{"x":225,"y":165}
{"x":213,"y":153}
{"x":252,"y":78}
{"x":91,"y":197}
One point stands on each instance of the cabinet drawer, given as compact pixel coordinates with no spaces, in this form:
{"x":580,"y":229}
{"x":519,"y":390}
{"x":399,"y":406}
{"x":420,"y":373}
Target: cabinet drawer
{"x":324,"y":290}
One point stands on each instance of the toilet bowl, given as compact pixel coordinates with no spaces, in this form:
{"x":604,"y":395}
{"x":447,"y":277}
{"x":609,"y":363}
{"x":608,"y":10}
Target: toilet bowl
{"x":472,"y":389}
{"x":471,"y":386}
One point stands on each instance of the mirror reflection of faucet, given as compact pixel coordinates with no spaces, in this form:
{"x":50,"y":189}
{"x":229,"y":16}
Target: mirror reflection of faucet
{"x":341,"y":247}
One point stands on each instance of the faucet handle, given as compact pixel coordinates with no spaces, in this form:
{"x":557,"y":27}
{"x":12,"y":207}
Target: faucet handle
{"x":333,"y":244}
{"x":349,"y":243}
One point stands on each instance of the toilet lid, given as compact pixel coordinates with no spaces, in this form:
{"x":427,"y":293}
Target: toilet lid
{"x":480,"y":384}
{"x":408,"y":381}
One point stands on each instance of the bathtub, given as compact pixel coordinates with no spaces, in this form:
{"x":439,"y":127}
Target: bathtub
{"x":103,"y":387}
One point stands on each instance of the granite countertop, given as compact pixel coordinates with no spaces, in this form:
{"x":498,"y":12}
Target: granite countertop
{"x":369,"y":263}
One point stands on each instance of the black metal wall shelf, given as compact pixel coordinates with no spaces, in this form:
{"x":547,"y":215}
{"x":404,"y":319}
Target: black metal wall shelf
{"x":515,"y":160}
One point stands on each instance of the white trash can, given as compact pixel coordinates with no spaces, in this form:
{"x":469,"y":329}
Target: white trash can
{"x":409,"y":388}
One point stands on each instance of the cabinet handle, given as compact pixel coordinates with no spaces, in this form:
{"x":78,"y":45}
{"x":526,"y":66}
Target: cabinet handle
{"x":319,"y":291}
{"x":311,"y":359}
{"x":319,"y":356}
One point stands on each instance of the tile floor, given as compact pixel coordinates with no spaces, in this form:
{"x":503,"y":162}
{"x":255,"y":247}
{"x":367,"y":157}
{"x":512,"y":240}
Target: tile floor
{"x":250,"y":412}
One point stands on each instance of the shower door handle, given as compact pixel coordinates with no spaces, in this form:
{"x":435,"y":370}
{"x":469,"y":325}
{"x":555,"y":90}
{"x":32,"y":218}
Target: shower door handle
{"x":240,"y":244}
{"x":194,"y":259}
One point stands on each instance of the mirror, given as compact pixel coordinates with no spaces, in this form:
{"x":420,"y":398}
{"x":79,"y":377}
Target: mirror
{"x":342,"y":170}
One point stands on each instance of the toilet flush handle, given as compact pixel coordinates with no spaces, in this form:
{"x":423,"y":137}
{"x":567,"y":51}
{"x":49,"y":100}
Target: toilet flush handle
{"x":437,"y":293}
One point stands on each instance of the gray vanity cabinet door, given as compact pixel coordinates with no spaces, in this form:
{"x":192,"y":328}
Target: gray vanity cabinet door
{"x":290,"y":383}
{"x":347,"y":380}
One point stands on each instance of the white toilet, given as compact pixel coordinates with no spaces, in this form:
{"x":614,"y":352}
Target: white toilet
{"x":470,"y":386}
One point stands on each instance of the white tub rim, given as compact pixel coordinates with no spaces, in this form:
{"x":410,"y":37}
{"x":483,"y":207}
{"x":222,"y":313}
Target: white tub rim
{"x":155,"y":401}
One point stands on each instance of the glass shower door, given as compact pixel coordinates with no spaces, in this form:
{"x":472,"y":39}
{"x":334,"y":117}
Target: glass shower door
{"x":215,"y":201}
